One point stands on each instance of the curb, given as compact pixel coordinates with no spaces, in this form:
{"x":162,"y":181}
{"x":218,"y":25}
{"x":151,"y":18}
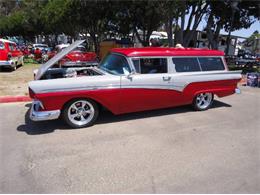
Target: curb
{"x":9,"y":99}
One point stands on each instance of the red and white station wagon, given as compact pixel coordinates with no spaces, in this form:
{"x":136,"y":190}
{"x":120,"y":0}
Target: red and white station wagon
{"x":131,"y":80}
{"x":10,"y":56}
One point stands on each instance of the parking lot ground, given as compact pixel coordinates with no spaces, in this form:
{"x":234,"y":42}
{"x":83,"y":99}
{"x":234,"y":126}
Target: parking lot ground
{"x":15,"y":83}
{"x":164,"y":151}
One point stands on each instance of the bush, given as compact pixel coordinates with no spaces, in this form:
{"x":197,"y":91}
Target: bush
{"x":245,"y":69}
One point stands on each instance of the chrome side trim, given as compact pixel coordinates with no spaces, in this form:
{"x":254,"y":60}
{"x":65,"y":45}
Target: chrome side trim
{"x":80,"y":63}
{"x":36,"y":115}
{"x":178,"y":82}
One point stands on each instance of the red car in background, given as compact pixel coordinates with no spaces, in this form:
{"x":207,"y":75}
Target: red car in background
{"x":78,"y":57}
{"x":10,"y":55}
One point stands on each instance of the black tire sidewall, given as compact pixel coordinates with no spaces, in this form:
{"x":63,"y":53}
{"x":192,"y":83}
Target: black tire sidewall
{"x":66,"y":109}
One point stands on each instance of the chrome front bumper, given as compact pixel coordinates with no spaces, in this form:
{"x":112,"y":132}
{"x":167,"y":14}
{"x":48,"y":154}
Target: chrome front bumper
{"x":36,"y":115}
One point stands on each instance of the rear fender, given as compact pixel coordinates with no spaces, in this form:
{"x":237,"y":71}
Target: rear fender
{"x":220,"y":88}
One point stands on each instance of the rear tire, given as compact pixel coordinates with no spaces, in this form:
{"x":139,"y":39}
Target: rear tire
{"x":79,"y":113}
{"x":203,"y":101}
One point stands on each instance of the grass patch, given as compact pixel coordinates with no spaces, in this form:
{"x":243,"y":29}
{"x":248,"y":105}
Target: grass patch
{"x":29,"y":60}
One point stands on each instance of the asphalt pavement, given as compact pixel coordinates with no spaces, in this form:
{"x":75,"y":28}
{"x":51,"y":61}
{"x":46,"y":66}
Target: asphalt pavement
{"x":173,"y":150}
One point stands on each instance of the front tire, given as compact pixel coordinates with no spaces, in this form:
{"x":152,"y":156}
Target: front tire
{"x":80,"y":113}
{"x":203,"y":101}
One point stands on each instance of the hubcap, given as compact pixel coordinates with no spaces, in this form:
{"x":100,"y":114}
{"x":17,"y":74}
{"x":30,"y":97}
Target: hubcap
{"x":203,"y":100}
{"x":81,"y":112}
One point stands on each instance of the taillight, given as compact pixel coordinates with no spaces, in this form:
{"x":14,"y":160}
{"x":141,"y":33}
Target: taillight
{"x":31,"y":93}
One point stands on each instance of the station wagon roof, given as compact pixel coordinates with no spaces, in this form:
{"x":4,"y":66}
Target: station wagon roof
{"x":166,"y":51}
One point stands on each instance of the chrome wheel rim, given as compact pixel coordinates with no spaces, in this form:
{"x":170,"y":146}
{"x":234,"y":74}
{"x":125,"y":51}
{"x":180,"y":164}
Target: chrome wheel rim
{"x":203,"y":100}
{"x":81,"y":112}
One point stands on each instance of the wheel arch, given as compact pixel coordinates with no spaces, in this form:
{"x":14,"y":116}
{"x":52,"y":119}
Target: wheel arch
{"x":99,"y":103}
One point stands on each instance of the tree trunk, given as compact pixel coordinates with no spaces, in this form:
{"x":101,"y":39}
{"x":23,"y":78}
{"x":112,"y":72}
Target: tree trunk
{"x":182,"y":28}
{"x":210,"y":35}
{"x":138,"y":36}
{"x":94,"y":39}
{"x":169,"y":31}
{"x":216,"y":36}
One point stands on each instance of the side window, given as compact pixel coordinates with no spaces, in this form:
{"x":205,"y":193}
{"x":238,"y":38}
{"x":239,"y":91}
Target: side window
{"x":2,"y":45}
{"x":186,"y":64}
{"x":150,"y":65}
{"x":211,"y":64}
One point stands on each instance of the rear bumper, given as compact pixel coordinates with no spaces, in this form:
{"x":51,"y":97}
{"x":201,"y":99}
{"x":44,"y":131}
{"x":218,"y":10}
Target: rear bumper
{"x":36,"y":115}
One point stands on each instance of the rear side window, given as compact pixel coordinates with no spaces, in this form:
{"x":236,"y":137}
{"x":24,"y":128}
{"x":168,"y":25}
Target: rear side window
{"x":150,"y":65}
{"x":211,"y":64}
{"x":2,"y":45}
{"x":186,"y":64}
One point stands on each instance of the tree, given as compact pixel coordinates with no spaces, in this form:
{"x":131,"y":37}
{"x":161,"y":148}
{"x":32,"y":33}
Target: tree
{"x":219,"y":17}
{"x":23,"y":19}
{"x":92,"y":17}
{"x":7,"y":7}
{"x":144,"y":16}
{"x":170,"y":11}
{"x":57,"y":17}
{"x":196,"y":9}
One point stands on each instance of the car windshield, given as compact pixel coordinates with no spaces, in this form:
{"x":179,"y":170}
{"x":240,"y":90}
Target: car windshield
{"x":115,"y":64}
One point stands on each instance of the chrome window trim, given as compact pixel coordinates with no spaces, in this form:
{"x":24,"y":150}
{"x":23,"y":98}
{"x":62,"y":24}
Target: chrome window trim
{"x":197,"y":57}
{"x":199,"y":64}
{"x":166,"y":57}
{"x":171,"y":66}
{"x":224,"y":62}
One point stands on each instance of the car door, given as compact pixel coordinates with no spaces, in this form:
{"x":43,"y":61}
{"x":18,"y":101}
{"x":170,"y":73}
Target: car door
{"x":148,"y":87}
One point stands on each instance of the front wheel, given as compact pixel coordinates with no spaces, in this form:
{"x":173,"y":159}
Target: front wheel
{"x":80,"y":113}
{"x":203,"y":101}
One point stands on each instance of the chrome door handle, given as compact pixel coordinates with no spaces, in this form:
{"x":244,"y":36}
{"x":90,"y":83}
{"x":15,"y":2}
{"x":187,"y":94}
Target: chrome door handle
{"x":167,"y":78}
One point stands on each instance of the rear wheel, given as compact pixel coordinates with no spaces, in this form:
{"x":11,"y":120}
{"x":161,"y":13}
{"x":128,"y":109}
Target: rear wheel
{"x":80,"y":113}
{"x":203,"y":101}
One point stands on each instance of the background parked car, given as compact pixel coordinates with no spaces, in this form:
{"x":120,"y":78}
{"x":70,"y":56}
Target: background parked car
{"x":10,"y":55}
{"x":78,"y":57}
{"x":43,"y":47}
